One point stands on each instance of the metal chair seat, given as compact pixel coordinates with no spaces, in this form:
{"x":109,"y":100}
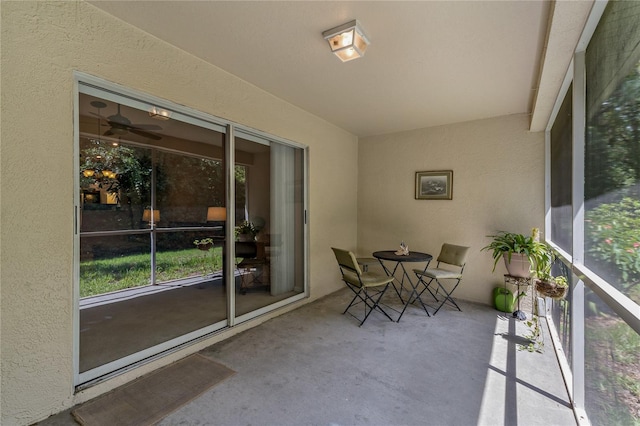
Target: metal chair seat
{"x":438,"y":273}
{"x":253,"y":267}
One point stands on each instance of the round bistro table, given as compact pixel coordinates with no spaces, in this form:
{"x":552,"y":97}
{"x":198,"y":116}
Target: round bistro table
{"x":400,"y":260}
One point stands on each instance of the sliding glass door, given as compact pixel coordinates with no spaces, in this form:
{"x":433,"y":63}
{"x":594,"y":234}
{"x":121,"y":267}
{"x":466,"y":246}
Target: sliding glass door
{"x":172,"y":244}
{"x":270,"y":222}
{"x":150,"y":264}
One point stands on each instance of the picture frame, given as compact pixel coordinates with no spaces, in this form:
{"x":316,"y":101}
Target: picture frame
{"x":434,"y":185}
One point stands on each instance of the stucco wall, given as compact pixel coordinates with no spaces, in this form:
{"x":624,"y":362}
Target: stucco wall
{"x":42,"y":44}
{"x":498,"y":184}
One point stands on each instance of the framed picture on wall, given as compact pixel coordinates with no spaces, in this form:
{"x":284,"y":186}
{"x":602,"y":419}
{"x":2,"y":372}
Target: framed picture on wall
{"x":434,"y":185}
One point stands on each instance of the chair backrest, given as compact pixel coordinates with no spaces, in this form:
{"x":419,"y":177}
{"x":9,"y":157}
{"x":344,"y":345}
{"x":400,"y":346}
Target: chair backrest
{"x":453,"y":255}
{"x":347,"y":260}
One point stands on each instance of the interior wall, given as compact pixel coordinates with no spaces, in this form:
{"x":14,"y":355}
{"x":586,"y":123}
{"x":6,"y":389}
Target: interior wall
{"x":42,"y":44}
{"x":498,"y":184}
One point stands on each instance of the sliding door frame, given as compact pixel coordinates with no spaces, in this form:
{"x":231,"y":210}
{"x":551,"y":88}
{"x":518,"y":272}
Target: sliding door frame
{"x":88,"y":84}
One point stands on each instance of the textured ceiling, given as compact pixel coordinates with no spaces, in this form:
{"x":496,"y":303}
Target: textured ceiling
{"x":429,"y":62}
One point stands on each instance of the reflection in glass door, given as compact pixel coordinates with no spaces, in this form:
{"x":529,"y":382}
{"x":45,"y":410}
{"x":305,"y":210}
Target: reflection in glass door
{"x":269,"y":222}
{"x":151,"y":270}
{"x":159,"y":264}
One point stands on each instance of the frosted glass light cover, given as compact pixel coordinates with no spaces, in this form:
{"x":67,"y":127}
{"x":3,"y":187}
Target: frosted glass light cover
{"x":347,"y":41}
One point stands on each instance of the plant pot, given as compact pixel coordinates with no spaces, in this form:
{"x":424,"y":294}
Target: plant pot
{"x":519,"y":265}
{"x":204,"y":247}
{"x":246,"y":237}
{"x":551,"y":289}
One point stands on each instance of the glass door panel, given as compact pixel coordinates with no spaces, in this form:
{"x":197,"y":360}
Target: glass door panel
{"x":114,"y":273}
{"x":148,"y":280}
{"x":153,"y":223}
{"x":192,"y":262}
{"x":269,"y":223}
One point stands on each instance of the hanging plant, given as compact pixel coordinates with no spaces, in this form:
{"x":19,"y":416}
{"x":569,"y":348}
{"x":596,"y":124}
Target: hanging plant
{"x":555,"y":288}
{"x":547,"y":284}
{"x":204,"y":244}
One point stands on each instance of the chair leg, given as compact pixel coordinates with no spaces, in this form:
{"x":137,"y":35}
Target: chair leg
{"x":376,"y":303}
{"x":366,"y":305}
{"x":447,"y":296}
{"x":356,"y":296}
{"x":370,"y":304}
{"x":413,"y":296}
{"x":427,"y":286}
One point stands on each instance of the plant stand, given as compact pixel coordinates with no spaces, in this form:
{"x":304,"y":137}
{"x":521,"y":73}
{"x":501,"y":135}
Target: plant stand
{"x":518,"y":281}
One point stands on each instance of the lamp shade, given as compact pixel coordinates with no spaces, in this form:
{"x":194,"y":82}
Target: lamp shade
{"x":216,"y":214}
{"x":347,"y":41}
{"x":146,"y":216}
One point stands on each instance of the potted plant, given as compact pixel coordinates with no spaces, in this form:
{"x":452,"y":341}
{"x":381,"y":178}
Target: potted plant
{"x":518,"y":251}
{"x":546,"y":284}
{"x":204,"y":244}
{"x":246,"y":231}
{"x":206,"y":264}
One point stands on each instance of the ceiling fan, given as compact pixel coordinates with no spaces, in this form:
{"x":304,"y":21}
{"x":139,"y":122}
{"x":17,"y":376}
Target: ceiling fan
{"x":121,"y":125}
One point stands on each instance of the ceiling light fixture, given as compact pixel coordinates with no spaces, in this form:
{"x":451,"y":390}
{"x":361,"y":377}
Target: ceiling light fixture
{"x":159,"y":113}
{"x":347,"y":41}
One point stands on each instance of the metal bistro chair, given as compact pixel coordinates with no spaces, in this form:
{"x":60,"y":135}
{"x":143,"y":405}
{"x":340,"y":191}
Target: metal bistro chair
{"x":368,"y":287}
{"x":365,"y":262}
{"x":452,"y":256}
{"x":253,"y":267}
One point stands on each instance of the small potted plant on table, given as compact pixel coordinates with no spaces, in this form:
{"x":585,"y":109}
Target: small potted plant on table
{"x":246,"y":231}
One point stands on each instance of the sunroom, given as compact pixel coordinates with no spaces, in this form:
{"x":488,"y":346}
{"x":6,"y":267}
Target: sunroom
{"x":138,"y":137}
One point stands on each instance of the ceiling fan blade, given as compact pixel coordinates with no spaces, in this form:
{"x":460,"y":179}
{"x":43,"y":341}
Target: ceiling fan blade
{"x":118,"y":128}
{"x":98,"y":115}
{"x":119,"y":119}
{"x":145,"y":126}
{"x":145,"y":134}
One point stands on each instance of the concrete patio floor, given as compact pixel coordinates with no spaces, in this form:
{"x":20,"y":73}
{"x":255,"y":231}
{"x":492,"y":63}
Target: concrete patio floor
{"x":315,"y":366}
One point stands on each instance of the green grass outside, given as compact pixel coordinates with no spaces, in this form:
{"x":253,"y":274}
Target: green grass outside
{"x":107,"y":275}
{"x":613,"y":380}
